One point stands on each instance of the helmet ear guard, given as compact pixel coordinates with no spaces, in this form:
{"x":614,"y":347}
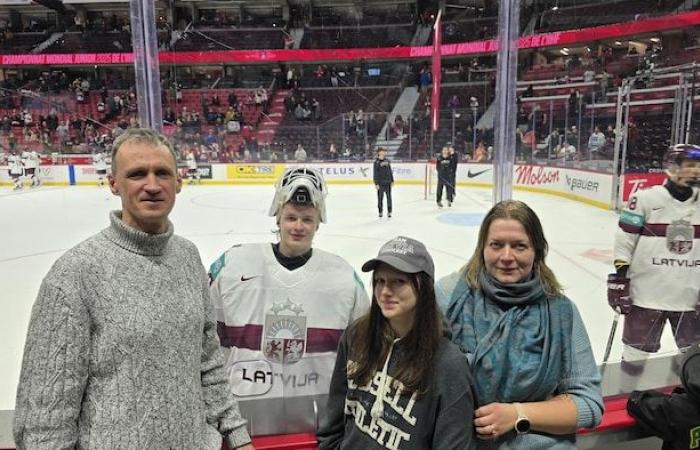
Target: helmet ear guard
{"x":300,"y":185}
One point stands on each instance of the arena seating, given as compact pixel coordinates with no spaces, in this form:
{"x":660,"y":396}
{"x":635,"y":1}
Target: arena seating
{"x":358,"y":37}
{"x":21,"y":43}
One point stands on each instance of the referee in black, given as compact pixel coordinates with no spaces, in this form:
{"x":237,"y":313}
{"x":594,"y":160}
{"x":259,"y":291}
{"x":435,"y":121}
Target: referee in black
{"x":383,"y":180}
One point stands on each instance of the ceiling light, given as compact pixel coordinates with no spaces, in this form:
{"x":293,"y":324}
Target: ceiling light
{"x":655,"y":40}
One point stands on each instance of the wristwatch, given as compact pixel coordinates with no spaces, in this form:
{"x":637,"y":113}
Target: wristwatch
{"x":522,"y":423}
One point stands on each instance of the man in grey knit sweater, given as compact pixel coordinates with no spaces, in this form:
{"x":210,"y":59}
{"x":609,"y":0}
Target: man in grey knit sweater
{"x":122,"y":350}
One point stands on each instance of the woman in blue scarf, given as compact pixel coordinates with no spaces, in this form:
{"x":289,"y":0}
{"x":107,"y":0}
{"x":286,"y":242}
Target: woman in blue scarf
{"x":535,"y":377}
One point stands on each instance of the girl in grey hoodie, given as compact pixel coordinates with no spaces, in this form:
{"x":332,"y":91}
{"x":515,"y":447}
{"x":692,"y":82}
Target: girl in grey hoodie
{"x":398,"y":382}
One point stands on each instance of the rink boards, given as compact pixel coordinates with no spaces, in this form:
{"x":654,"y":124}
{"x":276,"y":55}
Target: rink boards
{"x":594,"y":188}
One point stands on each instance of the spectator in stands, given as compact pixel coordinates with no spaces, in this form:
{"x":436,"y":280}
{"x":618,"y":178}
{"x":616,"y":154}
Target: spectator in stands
{"x":232,"y":100}
{"x":27,"y":118}
{"x":506,"y":307}
{"x":360,"y":123}
{"x":454,"y":103}
{"x":603,"y":83}
{"x":334,"y":76}
{"x":261,"y":98}
{"x":300,"y":153}
{"x":290,"y":77}
{"x":315,"y":109}
{"x":588,"y":75}
{"x":425,"y":79}
{"x":332,"y":153}
{"x":529,"y":92}
{"x":301,"y":113}
{"x":319,"y":76}
{"x":573,"y":104}
{"x":480,"y":154}
{"x":398,"y":127}
{"x":170,"y":116}
{"x":565,"y":151}
{"x":610,"y":133}
{"x":596,"y":142}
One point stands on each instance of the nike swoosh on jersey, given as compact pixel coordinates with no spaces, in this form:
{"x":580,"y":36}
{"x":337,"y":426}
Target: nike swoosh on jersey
{"x":471,"y":174}
{"x":244,"y":278}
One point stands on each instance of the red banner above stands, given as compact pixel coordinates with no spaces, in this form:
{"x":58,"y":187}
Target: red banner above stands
{"x":67,"y":59}
{"x":559,"y":38}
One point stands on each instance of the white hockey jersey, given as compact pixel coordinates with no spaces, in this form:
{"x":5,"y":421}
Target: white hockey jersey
{"x":659,"y":237}
{"x":32,"y":161}
{"x":15,"y":164}
{"x":282,"y":327}
{"x":191,"y":162}
{"x":99,"y":161}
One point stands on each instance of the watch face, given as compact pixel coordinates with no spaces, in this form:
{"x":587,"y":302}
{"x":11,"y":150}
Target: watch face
{"x":522,"y":425}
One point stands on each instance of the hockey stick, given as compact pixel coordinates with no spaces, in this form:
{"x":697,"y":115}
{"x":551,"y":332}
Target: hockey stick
{"x":611,"y":337}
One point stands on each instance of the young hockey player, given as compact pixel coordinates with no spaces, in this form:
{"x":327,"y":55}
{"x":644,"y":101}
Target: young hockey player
{"x":657,"y":257}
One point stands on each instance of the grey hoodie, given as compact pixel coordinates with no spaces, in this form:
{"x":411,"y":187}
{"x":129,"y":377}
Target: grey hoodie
{"x":381,"y":416}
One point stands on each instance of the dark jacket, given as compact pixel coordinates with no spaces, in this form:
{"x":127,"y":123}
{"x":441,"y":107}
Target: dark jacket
{"x":382,"y":172}
{"x":674,"y":417}
{"x":440,"y":419}
{"x":444,"y":167}
{"x":454,"y":158}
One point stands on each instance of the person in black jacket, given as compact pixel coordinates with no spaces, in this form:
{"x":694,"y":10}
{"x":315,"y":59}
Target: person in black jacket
{"x":454,"y":158}
{"x":443,"y":164}
{"x":674,"y":417}
{"x":383,"y":181}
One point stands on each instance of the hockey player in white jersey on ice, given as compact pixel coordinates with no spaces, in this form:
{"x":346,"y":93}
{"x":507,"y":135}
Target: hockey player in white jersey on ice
{"x":657,"y":260}
{"x":192,"y":168}
{"x":31,"y":162}
{"x":282,"y":307}
{"x":99,"y":160}
{"x":16,"y":170}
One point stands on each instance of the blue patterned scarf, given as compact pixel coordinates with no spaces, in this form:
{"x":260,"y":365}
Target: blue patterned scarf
{"x":517,"y":339}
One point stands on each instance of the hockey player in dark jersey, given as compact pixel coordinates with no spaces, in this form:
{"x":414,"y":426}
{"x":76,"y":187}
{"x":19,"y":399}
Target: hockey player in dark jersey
{"x":443,"y":165}
{"x":383,"y":181}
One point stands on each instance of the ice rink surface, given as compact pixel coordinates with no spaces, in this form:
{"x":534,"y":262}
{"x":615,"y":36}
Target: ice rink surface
{"x":38,"y":225}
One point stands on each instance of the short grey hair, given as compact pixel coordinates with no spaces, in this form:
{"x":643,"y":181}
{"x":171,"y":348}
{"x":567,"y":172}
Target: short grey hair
{"x":142,"y":136}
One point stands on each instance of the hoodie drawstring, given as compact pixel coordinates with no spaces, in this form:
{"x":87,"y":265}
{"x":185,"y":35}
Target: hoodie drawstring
{"x":378,"y":407}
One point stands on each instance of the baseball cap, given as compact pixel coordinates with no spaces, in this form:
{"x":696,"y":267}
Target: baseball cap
{"x":404,"y":254}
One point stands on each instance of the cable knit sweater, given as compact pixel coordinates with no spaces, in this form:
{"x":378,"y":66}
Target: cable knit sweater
{"x":122,"y":351}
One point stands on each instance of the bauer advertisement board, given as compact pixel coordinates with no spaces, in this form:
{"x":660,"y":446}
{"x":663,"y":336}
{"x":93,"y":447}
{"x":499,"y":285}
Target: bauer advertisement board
{"x":594,"y":188}
{"x":589,"y":187}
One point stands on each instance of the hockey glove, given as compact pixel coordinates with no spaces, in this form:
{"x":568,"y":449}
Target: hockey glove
{"x":619,"y":293}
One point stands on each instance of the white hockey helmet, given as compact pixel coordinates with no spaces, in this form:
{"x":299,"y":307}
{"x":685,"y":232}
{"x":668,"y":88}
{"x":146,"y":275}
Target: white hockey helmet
{"x":302,"y":185}
{"x":675,"y":156}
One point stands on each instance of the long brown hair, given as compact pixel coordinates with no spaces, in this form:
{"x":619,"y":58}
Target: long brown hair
{"x":371,"y":338}
{"x":519,"y":211}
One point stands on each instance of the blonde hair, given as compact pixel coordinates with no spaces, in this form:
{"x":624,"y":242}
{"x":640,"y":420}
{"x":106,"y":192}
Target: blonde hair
{"x":520,"y":212}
